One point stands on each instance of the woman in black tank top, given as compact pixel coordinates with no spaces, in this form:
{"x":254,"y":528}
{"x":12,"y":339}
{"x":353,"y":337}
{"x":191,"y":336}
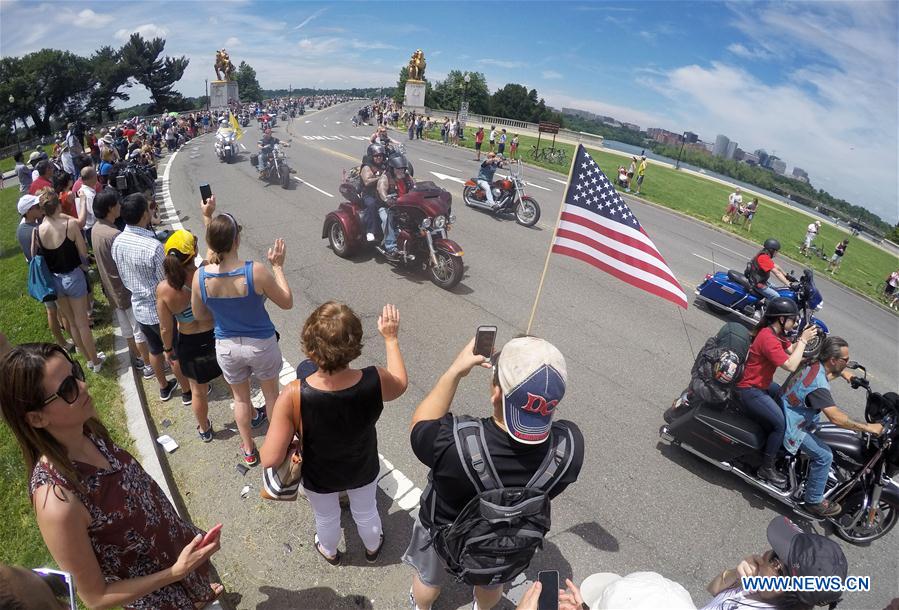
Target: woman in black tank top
{"x":340,"y":407}
{"x":58,"y":238}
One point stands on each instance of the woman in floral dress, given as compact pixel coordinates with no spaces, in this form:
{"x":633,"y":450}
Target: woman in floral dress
{"x":102,"y":517}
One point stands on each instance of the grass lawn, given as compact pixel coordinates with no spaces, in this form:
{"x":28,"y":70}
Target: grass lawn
{"x":8,"y":163}
{"x":864,"y":266}
{"x":24,"y":320}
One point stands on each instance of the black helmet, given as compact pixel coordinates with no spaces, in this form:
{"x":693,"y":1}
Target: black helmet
{"x":398,"y":162}
{"x":771,"y":245}
{"x":375,"y":149}
{"x":781,"y":306}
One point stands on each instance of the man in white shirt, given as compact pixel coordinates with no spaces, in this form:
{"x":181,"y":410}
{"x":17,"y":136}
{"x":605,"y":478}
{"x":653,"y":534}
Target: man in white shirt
{"x":84,"y":201}
{"x":492,"y":139}
{"x":811,"y":233}
{"x":734,"y":203}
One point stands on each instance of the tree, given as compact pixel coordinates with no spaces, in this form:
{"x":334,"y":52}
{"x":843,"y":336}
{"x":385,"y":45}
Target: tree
{"x":512,"y":102}
{"x":400,"y":92}
{"x":247,"y":84}
{"x":447,"y":94}
{"x":110,"y":74}
{"x":157,"y":74}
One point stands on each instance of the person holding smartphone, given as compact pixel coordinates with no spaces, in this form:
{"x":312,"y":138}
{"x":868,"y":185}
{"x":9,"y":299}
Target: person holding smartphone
{"x":103,"y":518}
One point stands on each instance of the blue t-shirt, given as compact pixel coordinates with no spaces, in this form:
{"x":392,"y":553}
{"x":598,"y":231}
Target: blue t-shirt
{"x":487,"y":171}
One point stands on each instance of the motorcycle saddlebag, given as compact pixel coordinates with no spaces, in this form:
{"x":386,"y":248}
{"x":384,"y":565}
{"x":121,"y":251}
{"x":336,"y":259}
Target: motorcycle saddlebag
{"x":720,"y":433}
{"x":254,"y":159}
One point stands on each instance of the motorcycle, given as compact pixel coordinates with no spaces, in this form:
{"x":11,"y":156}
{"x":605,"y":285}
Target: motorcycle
{"x":226,"y":145}
{"x":244,"y":120}
{"x":509,"y":195}
{"x":422,"y":218}
{"x":276,"y":168}
{"x":862,"y":475}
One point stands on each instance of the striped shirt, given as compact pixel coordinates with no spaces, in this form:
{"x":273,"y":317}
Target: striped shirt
{"x":138,"y":255}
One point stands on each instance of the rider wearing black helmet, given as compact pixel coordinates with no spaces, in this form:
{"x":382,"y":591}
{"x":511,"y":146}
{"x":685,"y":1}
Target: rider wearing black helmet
{"x":757,"y":391}
{"x":762,"y":265}
{"x":373,"y":166}
{"x":393,"y":183}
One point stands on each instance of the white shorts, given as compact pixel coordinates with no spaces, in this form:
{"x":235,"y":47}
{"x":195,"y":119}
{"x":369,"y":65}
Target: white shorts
{"x":240,"y":357}
{"x":128,"y":325}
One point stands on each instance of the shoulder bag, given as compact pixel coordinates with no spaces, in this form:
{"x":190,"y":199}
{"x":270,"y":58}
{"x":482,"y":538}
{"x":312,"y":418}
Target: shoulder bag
{"x":283,"y":481}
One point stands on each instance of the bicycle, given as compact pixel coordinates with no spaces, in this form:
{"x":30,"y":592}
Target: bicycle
{"x":556,"y":156}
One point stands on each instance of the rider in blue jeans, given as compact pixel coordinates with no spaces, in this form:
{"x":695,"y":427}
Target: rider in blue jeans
{"x":757,"y":391}
{"x":807,"y":395}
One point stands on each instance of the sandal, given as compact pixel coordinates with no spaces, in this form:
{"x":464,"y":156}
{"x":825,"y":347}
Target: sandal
{"x":334,"y":561}
{"x":217,"y":590}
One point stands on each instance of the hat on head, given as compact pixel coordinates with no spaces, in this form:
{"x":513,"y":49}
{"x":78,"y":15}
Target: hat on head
{"x":805,"y":554}
{"x":532,"y":377}
{"x":818,"y":222}
{"x":637,"y":591}
{"x":107,"y":138}
{"x":26,"y":202}
{"x":181,"y":241}
{"x":34,"y":156}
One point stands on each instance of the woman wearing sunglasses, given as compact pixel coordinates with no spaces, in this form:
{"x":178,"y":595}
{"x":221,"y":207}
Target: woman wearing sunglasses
{"x":102,"y":517}
{"x":756,"y":389}
{"x":792,"y":553}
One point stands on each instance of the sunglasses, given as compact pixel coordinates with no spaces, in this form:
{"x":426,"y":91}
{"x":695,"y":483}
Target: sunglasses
{"x":776,"y":563}
{"x":69,"y":389}
{"x":61,"y":584}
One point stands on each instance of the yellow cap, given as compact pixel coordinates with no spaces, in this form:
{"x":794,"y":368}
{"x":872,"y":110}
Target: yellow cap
{"x":182,"y":241}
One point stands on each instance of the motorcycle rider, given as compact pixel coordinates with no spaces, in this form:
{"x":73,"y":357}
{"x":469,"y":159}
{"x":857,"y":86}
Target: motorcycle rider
{"x":485,"y":175}
{"x":394,"y":182}
{"x":806,"y":395}
{"x":266,"y":146}
{"x":380,"y":137}
{"x":757,"y":391}
{"x":762,"y":266}
{"x":373,"y":166}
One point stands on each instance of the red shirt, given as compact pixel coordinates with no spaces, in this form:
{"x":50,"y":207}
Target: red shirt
{"x":67,"y":204}
{"x":767,"y":352}
{"x":38,"y":184}
{"x":129,"y":133}
{"x":479,"y":137}
{"x":765,"y":262}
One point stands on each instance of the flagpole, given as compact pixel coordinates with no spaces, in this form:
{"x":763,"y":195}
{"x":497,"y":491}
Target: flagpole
{"x":555,"y":229}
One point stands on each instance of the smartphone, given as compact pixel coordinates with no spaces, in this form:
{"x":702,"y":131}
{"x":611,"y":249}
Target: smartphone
{"x":205,"y":192}
{"x":484,"y":341}
{"x":211,"y":536}
{"x":121,"y":183}
{"x":549,"y":593}
{"x":61,"y":584}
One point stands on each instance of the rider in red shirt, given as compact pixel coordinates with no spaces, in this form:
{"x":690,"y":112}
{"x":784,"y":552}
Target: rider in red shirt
{"x":757,"y":391}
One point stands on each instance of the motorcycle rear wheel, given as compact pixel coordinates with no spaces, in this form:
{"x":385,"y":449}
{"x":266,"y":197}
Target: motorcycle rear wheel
{"x":468,"y":194}
{"x":527,"y":212}
{"x":885,"y":520}
{"x":337,"y":237}
{"x":448,"y":271}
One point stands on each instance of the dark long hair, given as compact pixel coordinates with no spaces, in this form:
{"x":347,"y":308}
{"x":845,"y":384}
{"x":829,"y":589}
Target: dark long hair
{"x":21,"y":392}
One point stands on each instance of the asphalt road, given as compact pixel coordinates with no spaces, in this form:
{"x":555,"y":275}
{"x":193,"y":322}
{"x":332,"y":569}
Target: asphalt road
{"x":638,"y":505}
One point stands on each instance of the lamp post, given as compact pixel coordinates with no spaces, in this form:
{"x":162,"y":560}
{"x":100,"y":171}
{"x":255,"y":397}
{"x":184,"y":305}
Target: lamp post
{"x":681,"y":151}
{"x":12,"y":100}
{"x":466,"y":80}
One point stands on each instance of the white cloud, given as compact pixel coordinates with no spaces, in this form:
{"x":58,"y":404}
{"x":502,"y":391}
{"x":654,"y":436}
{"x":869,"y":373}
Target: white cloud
{"x":558,"y":99}
{"x":147,"y":31}
{"x":310,"y":18}
{"x":742,"y":51}
{"x":502,"y":63}
{"x":89,"y":19}
{"x":233,"y":41}
{"x":551,"y":74}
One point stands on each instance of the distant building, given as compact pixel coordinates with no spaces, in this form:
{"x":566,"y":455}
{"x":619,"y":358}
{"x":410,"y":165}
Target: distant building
{"x":631,"y":126}
{"x":800,"y":174}
{"x":739,"y":154}
{"x":664,"y":136}
{"x":731,"y":150}
{"x":584,"y":114}
{"x":691,"y":137}
{"x":763,"y":157}
{"x":720,"y":149}
{"x":777,"y":165}
{"x":750,"y":158}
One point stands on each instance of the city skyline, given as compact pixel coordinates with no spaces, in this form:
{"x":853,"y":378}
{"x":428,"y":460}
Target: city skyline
{"x":815,"y":82}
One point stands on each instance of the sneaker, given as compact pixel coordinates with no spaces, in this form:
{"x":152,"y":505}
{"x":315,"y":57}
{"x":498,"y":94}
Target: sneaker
{"x":147,"y":372}
{"x":824,"y":508}
{"x":259,"y":419}
{"x":187,"y":398}
{"x":252,"y":458}
{"x":372,"y":556}
{"x":369,"y":237}
{"x":71,"y":347}
{"x":392,"y":255}
{"x":206,"y":437}
{"x":137,"y":362}
{"x":165,"y":394}
{"x":101,"y":358}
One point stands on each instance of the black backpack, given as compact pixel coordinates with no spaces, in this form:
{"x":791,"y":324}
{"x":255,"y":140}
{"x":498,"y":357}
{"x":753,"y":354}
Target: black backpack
{"x":719,"y":365}
{"x":496,"y":535}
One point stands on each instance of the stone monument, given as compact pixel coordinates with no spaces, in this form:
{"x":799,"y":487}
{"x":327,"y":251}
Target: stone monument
{"x":414,"y":98}
{"x":223,"y":90}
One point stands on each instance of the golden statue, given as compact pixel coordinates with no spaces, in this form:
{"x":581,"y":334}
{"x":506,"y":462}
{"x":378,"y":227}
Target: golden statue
{"x":223,"y":66}
{"x":417,"y":66}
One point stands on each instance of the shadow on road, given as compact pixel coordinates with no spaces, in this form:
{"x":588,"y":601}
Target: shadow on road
{"x":315,"y":597}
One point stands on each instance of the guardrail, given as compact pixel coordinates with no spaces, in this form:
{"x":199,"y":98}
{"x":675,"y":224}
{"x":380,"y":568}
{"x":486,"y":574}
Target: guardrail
{"x":483,"y":119}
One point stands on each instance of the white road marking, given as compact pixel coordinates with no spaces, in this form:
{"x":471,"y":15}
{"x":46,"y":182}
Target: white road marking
{"x":559,"y":181}
{"x":445,"y":177}
{"x":530,"y":184}
{"x":312,"y":186}
{"x":337,"y":122}
{"x":307,"y":122}
{"x":167,"y":196}
{"x":728,"y":249}
{"x":440,"y":165}
{"x":708,"y":260}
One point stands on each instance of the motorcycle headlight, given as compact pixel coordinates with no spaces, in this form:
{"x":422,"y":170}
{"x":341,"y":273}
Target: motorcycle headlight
{"x":426,"y":223}
{"x":440,"y":222}
{"x":452,"y":218}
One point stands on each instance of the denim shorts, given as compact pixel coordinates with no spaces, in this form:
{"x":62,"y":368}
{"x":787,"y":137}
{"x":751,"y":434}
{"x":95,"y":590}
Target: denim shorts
{"x":72,"y":284}
{"x":240,"y":357}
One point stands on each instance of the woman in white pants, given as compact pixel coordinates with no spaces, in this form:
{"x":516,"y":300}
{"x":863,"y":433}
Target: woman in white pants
{"x":340,"y":407}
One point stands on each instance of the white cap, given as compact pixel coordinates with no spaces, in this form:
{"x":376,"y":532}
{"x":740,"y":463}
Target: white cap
{"x":26,"y":202}
{"x":637,"y":591}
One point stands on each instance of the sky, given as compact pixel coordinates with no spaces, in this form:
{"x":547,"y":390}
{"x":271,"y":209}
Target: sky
{"x":814,"y":83}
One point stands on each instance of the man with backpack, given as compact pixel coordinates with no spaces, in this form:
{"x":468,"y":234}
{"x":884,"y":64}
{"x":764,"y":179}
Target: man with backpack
{"x":510,"y":464}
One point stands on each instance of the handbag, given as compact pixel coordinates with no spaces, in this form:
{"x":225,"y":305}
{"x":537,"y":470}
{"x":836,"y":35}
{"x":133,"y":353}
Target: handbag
{"x":283,"y":481}
{"x":41,"y":286}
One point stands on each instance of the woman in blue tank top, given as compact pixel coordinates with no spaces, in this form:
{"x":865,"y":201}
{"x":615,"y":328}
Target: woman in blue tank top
{"x":233,"y":292}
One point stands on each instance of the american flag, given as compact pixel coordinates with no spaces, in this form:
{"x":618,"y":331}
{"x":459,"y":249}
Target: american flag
{"x":598,"y":227}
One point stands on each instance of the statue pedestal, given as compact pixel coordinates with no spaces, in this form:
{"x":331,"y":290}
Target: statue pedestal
{"x":221,"y":92}
{"x":415,"y":95}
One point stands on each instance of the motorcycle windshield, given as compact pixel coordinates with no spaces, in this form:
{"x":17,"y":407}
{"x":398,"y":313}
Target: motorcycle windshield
{"x":814,"y":297}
